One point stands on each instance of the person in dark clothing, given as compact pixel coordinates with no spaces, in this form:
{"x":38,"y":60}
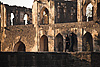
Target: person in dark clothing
{"x":71,"y":42}
{"x":67,"y":43}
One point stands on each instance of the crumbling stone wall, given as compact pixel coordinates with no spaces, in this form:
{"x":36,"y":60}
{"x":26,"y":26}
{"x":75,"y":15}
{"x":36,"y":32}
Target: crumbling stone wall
{"x":81,"y":9}
{"x":18,"y":12}
{"x":78,"y":28}
{"x":65,"y":11}
{"x":32,"y":40}
{"x":14,"y":34}
{"x":66,"y":28}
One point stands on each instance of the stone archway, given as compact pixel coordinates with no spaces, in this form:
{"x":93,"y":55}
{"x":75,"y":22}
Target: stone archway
{"x":58,"y":43}
{"x":44,"y":16}
{"x":87,"y":42}
{"x":19,"y":47}
{"x":44,"y":43}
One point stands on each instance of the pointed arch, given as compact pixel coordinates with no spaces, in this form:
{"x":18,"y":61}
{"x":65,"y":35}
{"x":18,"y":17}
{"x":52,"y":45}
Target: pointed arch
{"x":26,"y":18}
{"x":44,"y":16}
{"x":58,"y":43}
{"x":88,"y":10}
{"x":19,"y":47}
{"x":87,"y":42}
{"x":44,"y":43}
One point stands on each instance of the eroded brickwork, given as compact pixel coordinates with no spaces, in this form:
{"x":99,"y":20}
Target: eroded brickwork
{"x":14,"y":34}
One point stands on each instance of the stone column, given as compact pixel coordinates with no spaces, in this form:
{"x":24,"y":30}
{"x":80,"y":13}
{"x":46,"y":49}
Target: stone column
{"x":78,"y":11}
{"x":64,"y":43}
{"x":95,"y":10}
{"x":35,"y":22}
{"x":3,"y":22}
{"x":2,"y":15}
{"x":5,"y":16}
{"x":79,"y":38}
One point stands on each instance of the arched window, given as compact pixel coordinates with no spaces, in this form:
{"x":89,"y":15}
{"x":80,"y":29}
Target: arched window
{"x":19,"y":47}
{"x":44,"y":43}
{"x":87,"y":42}
{"x":58,"y":43}
{"x":44,"y":16}
{"x":89,"y":12}
{"x":12,"y":19}
{"x":25,"y":19}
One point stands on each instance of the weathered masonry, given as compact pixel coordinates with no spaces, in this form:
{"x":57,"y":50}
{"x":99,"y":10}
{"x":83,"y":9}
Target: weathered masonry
{"x":47,"y":59}
{"x":51,"y":21}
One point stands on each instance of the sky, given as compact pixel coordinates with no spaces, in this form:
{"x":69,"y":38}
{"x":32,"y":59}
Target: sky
{"x":25,"y":3}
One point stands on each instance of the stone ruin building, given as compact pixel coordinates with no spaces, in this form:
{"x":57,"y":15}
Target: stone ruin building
{"x":48,"y":23}
{"x":36,"y":37}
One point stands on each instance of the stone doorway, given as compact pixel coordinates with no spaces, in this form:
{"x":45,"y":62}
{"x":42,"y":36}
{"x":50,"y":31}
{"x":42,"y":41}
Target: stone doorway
{"x":58,"y":43}
{"x":19,"y":47}
{"x":87,"y":42}
{"x":44,"y":43}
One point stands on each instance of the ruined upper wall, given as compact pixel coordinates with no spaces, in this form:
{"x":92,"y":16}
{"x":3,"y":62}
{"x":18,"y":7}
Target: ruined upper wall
{"x":59,"y":11}
{"x":81,"y":9}
{"x":18,"y":12}
{"x":54,"y":0}
{"x":65,"y":0}
{"x":65,"y":11}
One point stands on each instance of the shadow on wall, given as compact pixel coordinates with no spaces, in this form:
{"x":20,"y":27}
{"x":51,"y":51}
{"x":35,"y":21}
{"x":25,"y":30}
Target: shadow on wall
{"x":97,"y":43}
{"x":74,"y":40}
{"x":98,"y":11}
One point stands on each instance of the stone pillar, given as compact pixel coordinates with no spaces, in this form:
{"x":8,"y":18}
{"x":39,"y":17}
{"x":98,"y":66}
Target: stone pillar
{"x":78,"y":11}
{"x":35,"y":22}
{"x":94,"y":43}
{"x":3,"y":22}
{"x":64,"y":43}
{"x":79,"y":38}
{"x":95,"y":10}
{"x":51,"y":39}
{"x":3,"y":15}
{"x":51,"y":12}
